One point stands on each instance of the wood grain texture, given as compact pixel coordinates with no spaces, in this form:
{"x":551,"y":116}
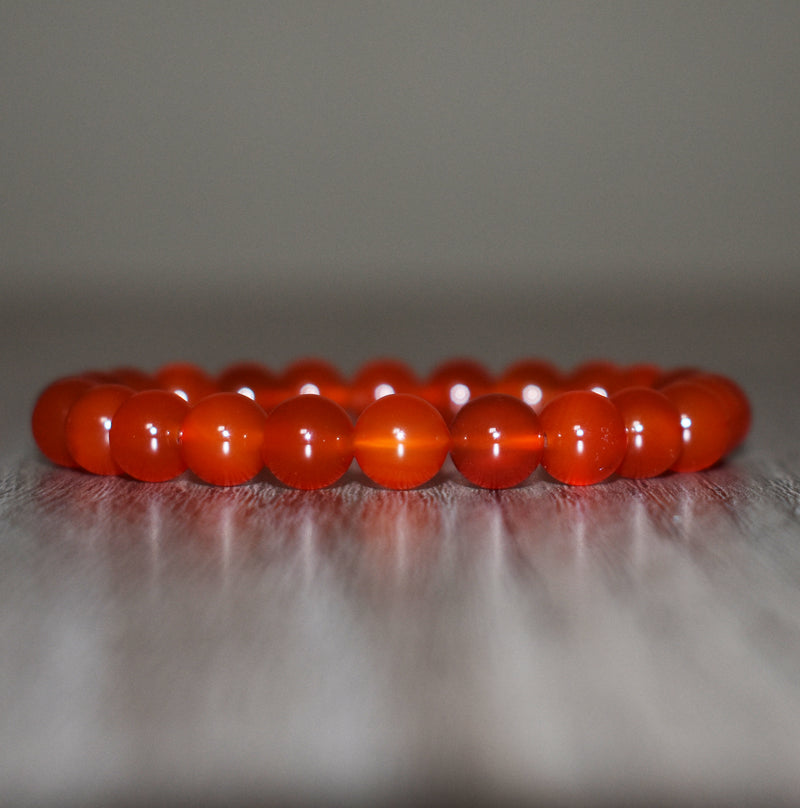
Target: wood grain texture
{"x":629,"y":642}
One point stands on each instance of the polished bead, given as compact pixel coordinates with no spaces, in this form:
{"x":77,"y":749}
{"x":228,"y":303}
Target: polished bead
{"x":188,"y":381}
{"x":534,"y":381}
{"x":453,"y":383}
{"x":585,"y":438}
{"x":705,"y":426}
{"x":496,"y":441}
{"x":89,"y":424}
{"x":49,"y":419}
{"x":134,"y":378}
{"x":736,"y":404}
{"x":378,"y":378}
{"x":251,"y":379}
{"x":145,"y":435}
{"x":640,"y":375}
{"x":222,"y":437}
{"x":401,"y":441}
{"x":308,"y":442}
{"x":653,"y":426}
{"x":312,"y":377}
{"x":598,"y":375}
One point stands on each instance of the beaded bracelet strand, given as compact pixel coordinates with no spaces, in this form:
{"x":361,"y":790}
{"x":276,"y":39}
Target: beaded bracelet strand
{"x":307,"y":424}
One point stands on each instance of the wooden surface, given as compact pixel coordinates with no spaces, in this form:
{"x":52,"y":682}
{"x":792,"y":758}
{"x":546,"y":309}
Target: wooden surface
{"x":632,"y":641}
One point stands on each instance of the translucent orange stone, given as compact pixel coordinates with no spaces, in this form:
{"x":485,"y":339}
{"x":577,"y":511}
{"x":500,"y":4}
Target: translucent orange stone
{"x":585,"y":438}
{"x":221,"y":439}
{"x":89,"y":424}
{"x":401,"y":441}
{"x":640,"y":375}
{"x":49,"y":419}
{"x":455,"y":382}
{"x":378,"y":378}
{"x":598,"y":375}
{"x":145,"y":435}
{"x":312,"y":377}
{"x":534,"y":381}
{"x":705,"y":425}
{"x":653,"y":426}
{"x":251,"y":379}
{"x":308,"y":442}
{"x":188,"y":381}
{"x":736,"y":404}
{"x":496,"y":441}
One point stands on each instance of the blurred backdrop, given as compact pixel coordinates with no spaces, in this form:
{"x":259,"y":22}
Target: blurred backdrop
{"x":216,"y":181}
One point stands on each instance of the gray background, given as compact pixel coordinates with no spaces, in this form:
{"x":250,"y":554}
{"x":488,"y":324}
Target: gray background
{"x":222,"y":181}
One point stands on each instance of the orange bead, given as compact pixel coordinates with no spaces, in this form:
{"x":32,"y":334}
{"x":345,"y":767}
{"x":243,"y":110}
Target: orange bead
{"x":705,"y":425}
{"x":188,"y":381}
{"x":145,"y":435}
{"x":455,"y":382}
{"x":379,"y":378}
{"x":640,"y":375}
{"x":534,"y":381}
{"x":251,"y":379}
{"x":653,"y":426}
{"x":401,"y":441}
{"x":735,"y":402}
{"x":585,"y":438}
{"x":308,"y":442}
{"x":222,"y":437}
{"x":134,"y":378}
{"x":496,"y":441}
{"x":49,"y":419}
{"x":89,"y":424}
{"x":313,"y":377}
{"x":599,"y":375}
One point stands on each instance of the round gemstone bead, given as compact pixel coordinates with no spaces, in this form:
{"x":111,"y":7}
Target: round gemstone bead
{"x":145,"y":435}
{"x":534,"y":381}
{"x":640,"y":375}
{"x":735,"y":402}
{"x":380,"y":378}
{"x":222,"y":437}
{"x":89,"y":424}
{"x":653,"y":426}
{"x":49,"y":419}
{"x":188,"y":381}
{"x":585,"y":438}
{"x":496,"y":441}
{"x":312,"y":377}
{"x":251,"y":379}
{"x":598,"y":375}
{"x":401,"y":441}
{"x":308,"y":442}
{"x":705,"y":425}
{"x":455,"y":382}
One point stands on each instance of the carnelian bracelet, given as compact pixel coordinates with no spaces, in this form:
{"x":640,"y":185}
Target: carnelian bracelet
{"x":600,"y":419}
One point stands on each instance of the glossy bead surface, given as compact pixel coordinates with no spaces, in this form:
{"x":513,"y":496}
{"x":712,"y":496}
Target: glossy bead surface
{"x":222,"y":437}
{"x":599,"y":375}
{"x":496,"y":441}
{"x":379,"y":378}
{"x":251,"y":379}
{"x":534,"y":381}
{"x":705,"y":426}
{"x":455,"y":382}
{"x":188,"y":381}
{"x":89,"y":424}
{"x":585,"y":438}
{"x":49,"y":419}
{"x":308,"y":442}
{"x":312,"y":377}
{"x":653,"y":426}
{"x":145,"y":435}
{"x":736,"y":404}
{"x":401,"y":441}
